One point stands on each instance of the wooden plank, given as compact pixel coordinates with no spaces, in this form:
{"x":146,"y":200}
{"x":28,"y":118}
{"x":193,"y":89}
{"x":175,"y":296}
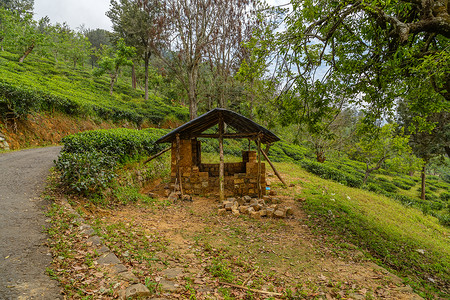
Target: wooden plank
{"x":258,"y":143}
{"x":178,"y":164}
{"x":273,"y":167}
{"x":221,"y":165}
{"x":156,"y":155}
{"x":227,"y":135}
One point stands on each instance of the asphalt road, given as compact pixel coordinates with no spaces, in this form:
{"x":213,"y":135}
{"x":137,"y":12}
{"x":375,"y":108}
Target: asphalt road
{"x":23,"y":256}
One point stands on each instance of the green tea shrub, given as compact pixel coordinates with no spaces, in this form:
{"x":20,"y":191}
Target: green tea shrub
{"x":86,"y":172}
{"x":445,"y":196}
{"x":121,"y":142}
{"x":328,"y":172}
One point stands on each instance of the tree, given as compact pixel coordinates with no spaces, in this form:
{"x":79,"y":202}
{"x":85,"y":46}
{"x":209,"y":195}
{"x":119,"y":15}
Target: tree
{"x":430,"y":132}
{"x":113,"y":59}
{"x":140,"y":24}
{"x":376,"y":148}
{"x":195,"y":27}
{"x":20,"y":6}
{"x":378,"y":49}
{"x":97,"y":38}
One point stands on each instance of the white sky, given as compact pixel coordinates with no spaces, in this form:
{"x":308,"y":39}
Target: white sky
{"x":91,"y":13}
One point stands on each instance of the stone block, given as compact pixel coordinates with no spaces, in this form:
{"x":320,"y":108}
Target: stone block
{"x":289,"y":211}
{"x":263,"y":212}
{"x":137,"y":291}
{"x":221,"y":211}
{"x":269,"y":212}
{"x":247,"y":198}
{"x":235,"y":212}
{"x":255,"y":215}
{"x":279,"y":213}
{"x":228,"y":205}
{"x":243,"y":209}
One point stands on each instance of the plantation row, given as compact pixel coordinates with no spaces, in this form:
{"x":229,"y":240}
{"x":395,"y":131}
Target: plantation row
{"x":27,"y":88}
{"x":96,"y":153}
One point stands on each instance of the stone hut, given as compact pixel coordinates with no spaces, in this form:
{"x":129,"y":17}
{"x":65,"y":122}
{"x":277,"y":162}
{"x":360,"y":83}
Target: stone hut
{"x":193,"y":177}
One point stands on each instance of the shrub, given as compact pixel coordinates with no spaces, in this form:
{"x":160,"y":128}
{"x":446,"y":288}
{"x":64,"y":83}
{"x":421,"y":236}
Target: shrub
{"x":86,"y":173}
{"x":403,"y":184}
{"x":445,"y":196}
{"x":327,"y":172}
{"x":122,"y":143}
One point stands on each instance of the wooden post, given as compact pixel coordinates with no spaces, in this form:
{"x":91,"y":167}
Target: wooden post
{"x":273,"y":167}
{"x":178,"y":165}
{"x":156,"y":155}
{"x":259,"y":165}
{"x":221,"y":165}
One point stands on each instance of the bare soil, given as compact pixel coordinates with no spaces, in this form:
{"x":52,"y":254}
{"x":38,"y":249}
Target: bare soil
{"x":284,"y":256}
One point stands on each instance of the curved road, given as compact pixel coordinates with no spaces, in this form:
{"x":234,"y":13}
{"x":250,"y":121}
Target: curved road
{"x":23,"y":257}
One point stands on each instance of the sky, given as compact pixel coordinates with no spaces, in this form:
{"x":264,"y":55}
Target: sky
{"x":91,"y":13}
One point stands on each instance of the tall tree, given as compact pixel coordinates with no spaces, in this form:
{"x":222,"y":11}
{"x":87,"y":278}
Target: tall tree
{"x":20,"y":6}
{"x":97,"y":38}
{"x":373,"y":47}
{"x":140,"y":24}
{"x":112,"y":60}
{"x":197,"y":26}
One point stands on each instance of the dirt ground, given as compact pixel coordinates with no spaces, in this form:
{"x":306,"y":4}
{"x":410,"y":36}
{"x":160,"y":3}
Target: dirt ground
{"x":284,"y":256}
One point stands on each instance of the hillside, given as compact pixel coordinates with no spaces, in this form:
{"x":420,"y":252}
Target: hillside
{"x":42,"y":85}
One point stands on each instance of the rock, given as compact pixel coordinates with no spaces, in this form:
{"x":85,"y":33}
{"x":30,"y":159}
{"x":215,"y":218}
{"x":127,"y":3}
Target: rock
{"x":269,"y":212}
{"x":235,"y":212}
{"x":263,"y":201}
{"x":128,"y":276}
{"x":172,"y":273}
{"x":250,"y":210}
{"x":240,"y":201}
{"x":103,"y":249}
{"x":119,"y":268}
{"x":108,"y":259}
{"x":253,"y":202}
{"x":279,"y":213}
{"x":137,"y":291}
{"x":221,"y":211}
{"x":167,"y":192}
{"x":187,"y":198}
{"x":169,"y":286}
{"x":243,"y":209}
{"x":228,"y":205}
{"x":255,"y":215}
{"x":231,"y":199}
{"x":86,"y":230}
{"x":95,"y":240}
{"x":289,"y":211}
{"x":263,"y":212}
{"x":247,"y":198}
{"x":173,"y":197}
{"x":152,"y":195}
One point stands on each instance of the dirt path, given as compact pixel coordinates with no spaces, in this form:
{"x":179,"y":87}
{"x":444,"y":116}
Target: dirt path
{"x":23,"y":257}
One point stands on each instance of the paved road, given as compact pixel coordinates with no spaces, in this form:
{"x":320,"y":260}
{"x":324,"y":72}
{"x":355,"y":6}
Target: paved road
{"x":23,"y":257}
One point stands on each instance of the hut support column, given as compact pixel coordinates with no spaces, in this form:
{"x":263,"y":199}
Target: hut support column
{"x":259,"y":165}
{"x":178,"y":165}
{"x":221,"y":165}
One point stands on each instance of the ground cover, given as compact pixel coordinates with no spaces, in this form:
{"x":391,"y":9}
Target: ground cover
{"x":44,"y":85}
{"x":185,"y":250}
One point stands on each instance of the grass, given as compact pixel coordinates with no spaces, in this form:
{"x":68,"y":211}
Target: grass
{"x":392,"y":233}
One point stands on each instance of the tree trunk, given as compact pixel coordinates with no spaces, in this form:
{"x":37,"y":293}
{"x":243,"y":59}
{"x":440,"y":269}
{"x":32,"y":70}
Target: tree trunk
{"x":192,"y":93}
{"x":28,"y":51}
{"x":422,"y":193}
{"x":146,"y":62}
{"x":221,"y":164}
{"x":111,"y":85}
{"x":133,"y":77}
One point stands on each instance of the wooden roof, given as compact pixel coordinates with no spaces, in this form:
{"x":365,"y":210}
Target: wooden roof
{"x":245,"y":128}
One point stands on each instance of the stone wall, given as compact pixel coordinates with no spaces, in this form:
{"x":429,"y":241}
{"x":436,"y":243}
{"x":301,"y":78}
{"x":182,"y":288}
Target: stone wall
{"x":241,"y":178}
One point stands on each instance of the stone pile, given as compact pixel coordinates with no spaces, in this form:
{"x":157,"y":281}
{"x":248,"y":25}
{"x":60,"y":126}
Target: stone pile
{"x":256,"y":208}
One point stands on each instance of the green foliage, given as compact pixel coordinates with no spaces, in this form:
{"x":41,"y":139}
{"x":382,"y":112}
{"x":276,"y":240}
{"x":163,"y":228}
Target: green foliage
{"x":40,"y":85}
{"x":122,"y":143}
{"x":87,"y":172}
{"x":327,"y":172}
{"x":88,"y":160}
